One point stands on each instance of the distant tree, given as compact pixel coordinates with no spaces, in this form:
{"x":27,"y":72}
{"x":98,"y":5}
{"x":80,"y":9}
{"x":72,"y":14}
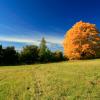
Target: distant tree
{"x":1,"y":55}
{"x":10,"y":56}
{"x":82,"y":41}
{"x":48,"y":57}
{"x":58,"y":56}
{"x":43,"y":50}
{"x":29,"y":54}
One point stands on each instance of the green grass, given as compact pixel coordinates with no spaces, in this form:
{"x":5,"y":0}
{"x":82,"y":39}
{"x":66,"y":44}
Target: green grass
{"x":75,"y":80}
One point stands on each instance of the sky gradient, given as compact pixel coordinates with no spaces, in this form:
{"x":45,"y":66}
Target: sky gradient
{"x":25,"y":22}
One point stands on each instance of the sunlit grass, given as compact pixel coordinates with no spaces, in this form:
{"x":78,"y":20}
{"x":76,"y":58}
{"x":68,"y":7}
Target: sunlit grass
{"x":75,"y":80}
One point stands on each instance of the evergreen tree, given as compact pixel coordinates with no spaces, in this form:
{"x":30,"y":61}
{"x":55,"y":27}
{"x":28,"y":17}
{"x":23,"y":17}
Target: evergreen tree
{"x":43,"y":50}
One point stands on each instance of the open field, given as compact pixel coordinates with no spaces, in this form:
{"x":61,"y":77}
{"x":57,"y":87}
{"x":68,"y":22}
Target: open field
{"x":78,"y":80}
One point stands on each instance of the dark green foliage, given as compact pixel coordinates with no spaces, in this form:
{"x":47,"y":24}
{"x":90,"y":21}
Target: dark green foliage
{"x":43,"y":47}
{"x":45,"y":55}
{"x":43,"y":50}
{"x":57,"y":56}
{"x":8,"y":56}
{"x":29,"y":54}
{"x":1,"y":55}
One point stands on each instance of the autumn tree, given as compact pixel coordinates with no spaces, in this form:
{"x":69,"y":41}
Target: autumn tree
{"x":82,"y":41}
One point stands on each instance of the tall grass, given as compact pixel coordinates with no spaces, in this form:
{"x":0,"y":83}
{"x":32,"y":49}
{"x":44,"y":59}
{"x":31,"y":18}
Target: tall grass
{"x":75,"y":80}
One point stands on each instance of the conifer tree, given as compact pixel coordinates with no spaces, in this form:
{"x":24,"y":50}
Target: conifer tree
{"x":43,"y":50}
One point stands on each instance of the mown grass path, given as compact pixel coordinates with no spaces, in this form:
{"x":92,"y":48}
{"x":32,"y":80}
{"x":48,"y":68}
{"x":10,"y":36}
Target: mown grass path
{"x":75,"y":80}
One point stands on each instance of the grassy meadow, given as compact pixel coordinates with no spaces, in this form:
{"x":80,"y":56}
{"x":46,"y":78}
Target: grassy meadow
{"x":74,"y":80}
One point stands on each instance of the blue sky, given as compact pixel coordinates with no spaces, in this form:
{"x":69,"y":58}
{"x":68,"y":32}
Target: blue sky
{"x":27,"y":21}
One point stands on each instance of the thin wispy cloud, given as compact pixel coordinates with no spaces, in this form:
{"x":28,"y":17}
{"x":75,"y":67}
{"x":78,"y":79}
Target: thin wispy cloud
{"x":21,"y":37}
{"x":49,"y":40}
{"x":19,"y":40}
{"x":25,"y":35}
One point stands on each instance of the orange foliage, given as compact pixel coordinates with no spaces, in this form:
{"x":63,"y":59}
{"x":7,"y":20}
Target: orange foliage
{"x":82,"y":41}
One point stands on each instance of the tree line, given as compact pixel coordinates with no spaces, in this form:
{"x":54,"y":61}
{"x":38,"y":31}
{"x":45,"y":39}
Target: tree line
{"x":29,"y":54}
